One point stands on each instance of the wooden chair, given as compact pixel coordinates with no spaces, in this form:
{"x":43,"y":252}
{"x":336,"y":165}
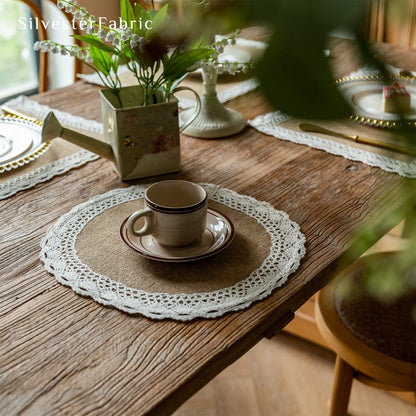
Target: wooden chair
{"x":44,"y":57}
{"x":374,"y":342}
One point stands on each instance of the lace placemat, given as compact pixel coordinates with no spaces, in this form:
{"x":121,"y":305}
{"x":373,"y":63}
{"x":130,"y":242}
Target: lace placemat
{"x":228,"y":87}
{"x":83,"y":250}
{"x":60,"y":158}
{"x":284,"y":127}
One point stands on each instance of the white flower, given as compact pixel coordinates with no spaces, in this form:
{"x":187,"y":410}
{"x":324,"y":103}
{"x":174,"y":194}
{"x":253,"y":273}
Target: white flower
{"x":63,"y":51}
{"x":90,"y":29}
{"x":88,"y":58}
{"x":60,"y":5}
{"x":110,"y":37}
{"x":73,"y":52}
{"x":69,"y":8}
{"x":116,"y":41}
{"x":219,"y":49}
{"x":77,"y":15}
{"x":80,"y":55}
{"x":45,"y":46}
{"x":36,"y":46}
{"x":134,"y":41}
{"x":101,"y":34}
{"x":56,"y":49}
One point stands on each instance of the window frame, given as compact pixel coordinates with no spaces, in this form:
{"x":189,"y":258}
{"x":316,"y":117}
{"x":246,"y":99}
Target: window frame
{"x":34,"y":36}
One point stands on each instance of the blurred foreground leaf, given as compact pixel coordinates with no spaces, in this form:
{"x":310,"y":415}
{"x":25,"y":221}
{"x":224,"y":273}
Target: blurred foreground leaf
{"x":294,"y":73}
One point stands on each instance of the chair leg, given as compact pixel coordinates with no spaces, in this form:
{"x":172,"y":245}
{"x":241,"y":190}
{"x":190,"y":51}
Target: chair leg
{"x":341,"y":388}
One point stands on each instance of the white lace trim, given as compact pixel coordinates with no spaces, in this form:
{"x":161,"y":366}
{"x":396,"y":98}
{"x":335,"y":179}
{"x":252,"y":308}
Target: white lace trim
{"x":26,"y":105}
{"x":60,"y":259}
{"x":269,"y":124}
{"x":58,"y":167}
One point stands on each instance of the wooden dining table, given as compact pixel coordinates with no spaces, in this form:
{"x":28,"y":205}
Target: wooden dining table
{"x":65,"y":354}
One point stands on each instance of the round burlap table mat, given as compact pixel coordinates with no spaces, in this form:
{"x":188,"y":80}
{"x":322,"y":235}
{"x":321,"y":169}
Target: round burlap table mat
{"x":99,"y":246}
{"x":83,"y":250}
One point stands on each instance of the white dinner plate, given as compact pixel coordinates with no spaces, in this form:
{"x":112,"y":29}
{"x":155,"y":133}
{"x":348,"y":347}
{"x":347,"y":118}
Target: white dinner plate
{"x":22,"y":142}
{"x":218,"y":234}
{"x":366,"y":99}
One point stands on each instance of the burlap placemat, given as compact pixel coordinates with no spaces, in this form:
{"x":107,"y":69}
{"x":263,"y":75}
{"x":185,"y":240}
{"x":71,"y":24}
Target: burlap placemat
{"x":100,"y":247}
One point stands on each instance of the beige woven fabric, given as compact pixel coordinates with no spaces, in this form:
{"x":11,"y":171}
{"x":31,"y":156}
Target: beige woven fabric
{"x":100,"y":247}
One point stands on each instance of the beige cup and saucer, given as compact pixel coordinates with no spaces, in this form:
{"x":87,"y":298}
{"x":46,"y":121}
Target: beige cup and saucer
{"x":178,"y":225}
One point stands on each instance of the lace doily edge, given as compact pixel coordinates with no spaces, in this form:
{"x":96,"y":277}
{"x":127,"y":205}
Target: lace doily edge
{"x":270,"y":124}
{"x":108,"y":298}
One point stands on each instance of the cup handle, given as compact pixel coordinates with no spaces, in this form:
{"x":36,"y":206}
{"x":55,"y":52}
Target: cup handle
{"x":197,"y":108}
{"x":148,"y":224}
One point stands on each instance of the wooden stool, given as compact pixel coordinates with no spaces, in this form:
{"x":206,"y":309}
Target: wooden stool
{"x":374,"y":342}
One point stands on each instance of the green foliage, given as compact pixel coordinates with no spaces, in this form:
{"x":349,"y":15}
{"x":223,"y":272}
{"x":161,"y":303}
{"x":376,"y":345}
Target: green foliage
{"x":93,"y":41}
{"x":294,"y":73}
{"x":177,"y":64}
{"x":156,"y":60}
{"x":126,"y":11}
{"x":101,"y":60}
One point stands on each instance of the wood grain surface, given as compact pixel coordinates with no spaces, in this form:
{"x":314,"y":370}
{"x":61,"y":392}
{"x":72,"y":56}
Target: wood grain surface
{"x":63,"y":354}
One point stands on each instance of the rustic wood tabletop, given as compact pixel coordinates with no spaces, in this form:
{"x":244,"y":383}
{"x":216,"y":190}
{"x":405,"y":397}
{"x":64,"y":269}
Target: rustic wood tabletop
{"x":61,"y":353}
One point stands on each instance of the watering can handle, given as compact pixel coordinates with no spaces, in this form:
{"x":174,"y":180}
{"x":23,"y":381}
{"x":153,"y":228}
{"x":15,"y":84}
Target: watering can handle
{"x":197,"y":108}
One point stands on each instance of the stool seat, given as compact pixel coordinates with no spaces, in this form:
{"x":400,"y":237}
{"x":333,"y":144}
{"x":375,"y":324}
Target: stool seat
{"x":386,"y":326}
{"x":374,"y":341}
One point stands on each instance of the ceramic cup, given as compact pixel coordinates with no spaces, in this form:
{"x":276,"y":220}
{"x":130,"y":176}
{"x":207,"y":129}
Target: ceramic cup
{"x":175,"y":213}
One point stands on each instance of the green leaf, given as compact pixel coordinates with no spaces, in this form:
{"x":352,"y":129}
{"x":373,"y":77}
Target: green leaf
{"x":101,"y":60}
{"x":294,"y":73}
{"x":126,"y":12}
{"x":141,"y":16}
{"x":96,"y":43}
{"x":200,"y":43}
{"x":158,"y":21}
{"x":180,"y":61}
{"x":115,"y":63}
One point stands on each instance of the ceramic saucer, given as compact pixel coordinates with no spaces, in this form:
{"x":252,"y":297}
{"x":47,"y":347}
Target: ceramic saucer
{"x":218,"y":234}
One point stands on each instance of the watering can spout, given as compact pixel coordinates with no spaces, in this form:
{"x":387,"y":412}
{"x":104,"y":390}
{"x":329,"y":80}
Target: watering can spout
{"x":53,"y":129}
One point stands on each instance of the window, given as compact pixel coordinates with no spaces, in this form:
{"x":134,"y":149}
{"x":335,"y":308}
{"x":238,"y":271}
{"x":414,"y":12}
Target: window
{"x":18,"y":63}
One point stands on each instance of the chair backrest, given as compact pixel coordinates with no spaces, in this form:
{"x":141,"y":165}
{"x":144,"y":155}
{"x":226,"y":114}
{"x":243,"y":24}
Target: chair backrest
{"x":43,"y":35}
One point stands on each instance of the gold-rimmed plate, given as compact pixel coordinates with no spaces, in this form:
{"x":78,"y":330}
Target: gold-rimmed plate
{"x":21,"y":142}
{"x":365,"y":95}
